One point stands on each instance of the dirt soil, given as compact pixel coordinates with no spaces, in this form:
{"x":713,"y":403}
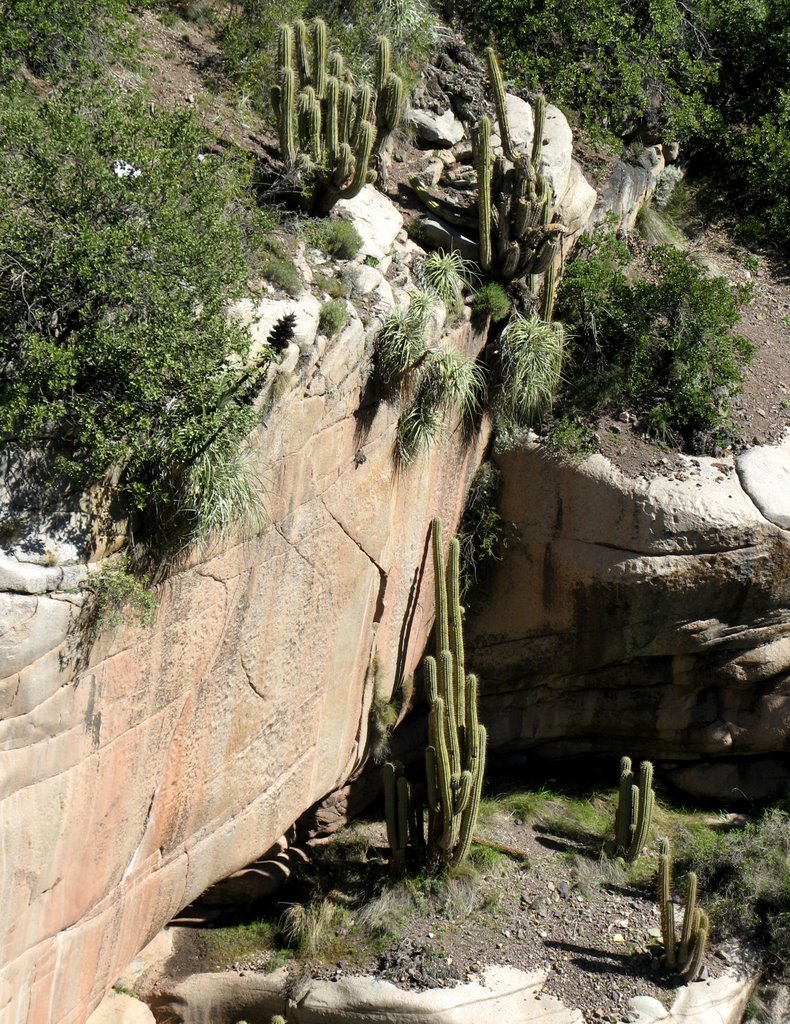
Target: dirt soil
{"x":557,"y":906}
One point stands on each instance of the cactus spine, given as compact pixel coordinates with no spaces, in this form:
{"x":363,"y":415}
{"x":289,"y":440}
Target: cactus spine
{"x":330,"y":132}
{"x":515,"y":211}
{"x":634,"y":809}
{"x":456,"y":752}
{"x":686,"y":956}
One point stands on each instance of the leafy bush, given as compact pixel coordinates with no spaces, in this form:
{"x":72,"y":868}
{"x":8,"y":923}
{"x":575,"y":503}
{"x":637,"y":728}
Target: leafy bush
{"x":482,"y":533}
{"x":745,"y":875}
{"x":116,"y":589}
{"x":660,"y":346}
{"x":333,"y":317}
{"x":491,"y":300}
{"x":570,"y":438}
{"x":120,"y":246}
{"x":337,"y":238}
{"x":57,"y":36}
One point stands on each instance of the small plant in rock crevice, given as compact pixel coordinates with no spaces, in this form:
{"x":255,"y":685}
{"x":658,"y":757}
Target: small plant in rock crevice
{"x":528,"y":370}
{"x":333,"y":317}
{"x":119,"y":592}
{"x":492,"y":300}
{"x":448,"y":275}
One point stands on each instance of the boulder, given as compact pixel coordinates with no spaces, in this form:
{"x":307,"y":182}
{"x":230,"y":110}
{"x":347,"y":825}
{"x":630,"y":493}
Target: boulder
{"x":764,"y":472}
{"x":259,"y":317}
{"x":555,"y":162}
{"x":578,"y":201}
{"x":440,"y":235}
{"x":120,"y":1008}
{"x":436,"y":129}
{"x":376,"y":219}
{"x":504,"y":994}
{"x":721,"y":1000}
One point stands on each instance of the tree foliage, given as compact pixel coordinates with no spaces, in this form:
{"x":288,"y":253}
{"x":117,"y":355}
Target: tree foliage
{"x":121,"y":242}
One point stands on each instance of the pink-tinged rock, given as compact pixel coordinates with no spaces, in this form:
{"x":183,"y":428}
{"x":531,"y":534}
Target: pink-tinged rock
{"x":137,"y":770}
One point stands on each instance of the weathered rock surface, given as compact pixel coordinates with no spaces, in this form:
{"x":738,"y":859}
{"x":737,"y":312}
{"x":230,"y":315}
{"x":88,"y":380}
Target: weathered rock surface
{"x":719,"y":1000}
{"x":765,"y":476}
{"x":437,"y":129}
{"x":555,"y":163}
{"x":377,"y":220}
{"x":505,"y":994}
{"x":648,"y":617}
{"x":118,"y":1008}
{"x":140,"y":768}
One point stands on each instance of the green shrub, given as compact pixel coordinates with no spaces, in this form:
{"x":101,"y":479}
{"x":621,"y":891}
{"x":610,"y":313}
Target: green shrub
{"x":333,"y":317}
{"x":338,"y":238}
{"x":491,"y":300}
{"x":122,"y":246}
{"x":659,"y":346}
{"x":53,"y":37}
{"x":334,"y":287}
{"x":117,"y":589}
{"x":482,"y":533}
{"x":745,"y":874}
{"x":571,"y":438}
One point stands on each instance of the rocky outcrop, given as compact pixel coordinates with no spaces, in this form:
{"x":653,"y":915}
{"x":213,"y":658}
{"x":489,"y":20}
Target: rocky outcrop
{"x":144,"y":763}
{"x":649,"y":617}
{"x":503,"y":994}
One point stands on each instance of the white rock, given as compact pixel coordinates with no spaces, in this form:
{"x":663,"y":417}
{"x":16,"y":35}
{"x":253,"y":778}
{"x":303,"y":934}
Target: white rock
{"x":27,"y":578}
{"x":765,"y":476}
{"x":30,"y":627}
{"x":261,"y":316}
{"x":578,"y":201}
{"x":555,"y":163}
{"x":438,"y":129}
{"x":364,"y":280}
{"x":375,"y":217}
{"x":118,"y":1008}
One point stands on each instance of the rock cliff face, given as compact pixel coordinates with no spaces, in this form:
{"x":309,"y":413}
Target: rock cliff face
{"x":642,"y":617}
{"x":137,"y":773}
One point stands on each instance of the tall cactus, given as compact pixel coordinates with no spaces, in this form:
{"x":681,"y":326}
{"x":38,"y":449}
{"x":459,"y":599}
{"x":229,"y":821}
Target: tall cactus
{"x":634,"y":809}
{"x":456,"y":752}
{"x":684,"y":957}
{"x":331,"y":133}
{"x":518,"y":237}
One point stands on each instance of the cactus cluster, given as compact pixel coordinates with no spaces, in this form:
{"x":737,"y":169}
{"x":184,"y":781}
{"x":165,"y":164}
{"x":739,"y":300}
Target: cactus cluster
{"x":515,"y":210}
{"x":683,"y":957}
{"x":634,"y":809}
{"x":331,"y":131}
{"x":456,"y":751}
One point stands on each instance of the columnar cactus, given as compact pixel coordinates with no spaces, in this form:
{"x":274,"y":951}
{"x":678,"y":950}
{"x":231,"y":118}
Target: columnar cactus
{"x":331,"y":132}
{"x":456,"y":751}
{"x":634,"y":809}
{"x":684,"y":957}
{"x":515,"y":211}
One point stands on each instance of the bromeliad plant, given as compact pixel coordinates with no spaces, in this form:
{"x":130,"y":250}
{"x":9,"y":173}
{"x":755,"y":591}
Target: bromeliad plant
{"x":518,"y":235}
{"x":456,"y":751}
{"x":331,"y":131}
{"x":683,"y":957}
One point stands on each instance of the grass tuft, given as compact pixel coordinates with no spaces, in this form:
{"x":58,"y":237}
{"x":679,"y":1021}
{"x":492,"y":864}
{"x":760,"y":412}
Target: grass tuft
{"x":531,"y":355}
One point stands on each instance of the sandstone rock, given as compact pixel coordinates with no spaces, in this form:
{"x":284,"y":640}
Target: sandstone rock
{"x":765,"y":475}
{"x":260,"y":316}
{"x":506,"y":993}
{"x":522,"y":122}
{"x":140,"y":767}
{"x":437,"y":129}
{"x":578,"y":201}
{"x":657,"y":609}
{"x":375,"y":217}
{"x":629,"y":186}
{"x":118,"y":1008}
{"x":717,"y":1001}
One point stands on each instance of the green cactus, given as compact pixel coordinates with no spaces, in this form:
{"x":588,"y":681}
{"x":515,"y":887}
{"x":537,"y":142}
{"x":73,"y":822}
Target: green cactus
{"x":515,"y":210}
{"x":684,"y":957}
{"x":455,"y":758}
{"x":331,"y":133}
{"x":456,"y":752}
{"x":634,"y":809}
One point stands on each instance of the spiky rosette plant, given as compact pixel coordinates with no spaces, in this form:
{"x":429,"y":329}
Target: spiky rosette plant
{"x":331,"y":131}
{"x":456,"y":751}
{"x":518,"y":233}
